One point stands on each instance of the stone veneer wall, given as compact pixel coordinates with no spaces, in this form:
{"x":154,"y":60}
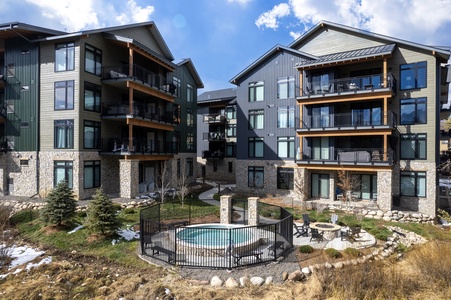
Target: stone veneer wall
{"x":129,"y":174}
{"x":23,"y":177}
{"x":252,"y":206}
{"x":109,"y":170}
{"x":226,"y":209}
{"x":183,"y":156}
{"x":384,"y":189}
{"x":222,"y":174}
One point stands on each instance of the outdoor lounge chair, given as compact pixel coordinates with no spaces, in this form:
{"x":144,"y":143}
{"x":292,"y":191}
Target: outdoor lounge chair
{"x":334,"y":218}
{"x":306,"y":220}
{"x":300,"y":230}
{"x":316,"y":235}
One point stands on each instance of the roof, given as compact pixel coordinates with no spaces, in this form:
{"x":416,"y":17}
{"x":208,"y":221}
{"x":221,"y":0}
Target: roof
{"x":349,"y":55}
{"x":273,"y":50}
{"x":14,"y":29}
{"x":217,"y":96}
{"x":445,"y":53}
{"x":189,"y":64}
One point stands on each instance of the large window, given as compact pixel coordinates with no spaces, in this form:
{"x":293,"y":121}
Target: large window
{"x":285,"y":87}
{"x":413,"y":146}
{"x":231,"y":112}
{"x":91,"y":132}
{"x":93,"y":60}
{"x":320,"y":116}
{"x":231,"y":130}
{"x":64,"y":95}
{"x":64,"y":57}
{"x":413,"y":76}
{"x":189,"y":117}
{"x":190,"y":141}
{"x":285,"y":178}
{"x":320,"y":185}
{"x":256,"y":91}
{"x":320,"y":148}
{"x":91,"y":174}
{"x":93,"y":97}
{"x":285,"y":117}
{"x":64,"y":134}
{"x":413,"y":184}
{"x":256,"y":119}
{"x":413,"y":111}
{"x":256,"y":177}
{"x":256,"y":145}
{"x":177,"y":82}
{"x":231,"y":149}
{"x":63,"y":170}
{"x":189,"y":167}
{"x":189,"y":93}
{"x":285,"y":147}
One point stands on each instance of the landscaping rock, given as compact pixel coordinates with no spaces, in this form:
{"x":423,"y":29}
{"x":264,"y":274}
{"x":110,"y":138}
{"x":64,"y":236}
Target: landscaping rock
{"x":258,"y":281}
{"x":216,"y":281}
{"x":244,"y":281}
{"x":296,"y":276}
{"x":269,"y":280}
{"x":231,"y":283}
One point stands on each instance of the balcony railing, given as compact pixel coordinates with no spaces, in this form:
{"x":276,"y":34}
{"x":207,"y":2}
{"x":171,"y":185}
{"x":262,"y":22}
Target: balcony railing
{"x":138,"y":111}
{"x":213,"y":155}
{"x":372,"y":156}
{"x":139,"y":73}
{"x":356,"y":84}
{"x":355,"y":120}
{"x":139,"y":147}
{"x":216,"y":118}
{"x":214,"y":136}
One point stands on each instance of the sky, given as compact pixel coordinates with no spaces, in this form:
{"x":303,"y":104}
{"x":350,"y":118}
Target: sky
{"x":223,"y":37}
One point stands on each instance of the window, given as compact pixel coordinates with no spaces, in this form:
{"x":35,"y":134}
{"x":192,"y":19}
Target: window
{"x":23,"y":162}
{"x":320,"y":185}
{"x":93,"y":97}
{"x":231,"y":150}
{"x":190,"y":141}
{"x":64,"y":57}
{"x":63,"y":170}
{"x":64,"y":134}
{"x":231,"y":112}
{"x":231,"y":130}
{"x":64,"y":95}
{"x":285,"y":117}
{"x":255,"y":177}
{"x":413,"y":76}
{"x":320,"y":148}
{"x":189,"y":93}
{"x":91,"y":131}
{"x":413,"y":146}
{"x":285,"y":87}
{"x":256,"y":119}
{"x":256,"y":91}
{"x":413,"y":184}
{"x":91,"y":174}
{"x":189,"y":117}
{"x":285,"y":178}
{"x":413,"y":111}
{"x":255,"y":145}
{"x":189,"y":167}
{"x":93,"y":60}
{"x":285,"y":147}
{"x":177,"y":82}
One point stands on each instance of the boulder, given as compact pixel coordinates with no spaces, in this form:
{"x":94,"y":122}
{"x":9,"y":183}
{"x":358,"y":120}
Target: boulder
{"x":216,"y":281}
{"x":231,"y":283}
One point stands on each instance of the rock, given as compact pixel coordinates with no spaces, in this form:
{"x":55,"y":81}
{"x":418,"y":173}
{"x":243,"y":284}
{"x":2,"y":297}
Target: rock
{"x":198,"y":282}
{"x":231,"y":283}
{"x":296,"y":276}
{"x":269,"y":280}
{"x":306,"y":270}
{"x":328,"y":265}
{"x":244,"y":281}
{"x":216,"y":281}
{"x":258,"y":281}
{"x":338,"y":265}
{"x":284,"y":276}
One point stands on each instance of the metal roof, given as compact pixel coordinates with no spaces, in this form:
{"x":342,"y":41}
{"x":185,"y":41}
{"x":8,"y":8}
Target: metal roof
{"x":189,"y":64}
{"x":349,"y":55}
{"x":217,"y":96}
{"x":15,"y":29}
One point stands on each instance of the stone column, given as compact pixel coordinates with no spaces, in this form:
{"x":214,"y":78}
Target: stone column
{"x":226,"y":209}
{"x":252,"y":206}
{"x":384,"y":190}
{"x":128,"y":177}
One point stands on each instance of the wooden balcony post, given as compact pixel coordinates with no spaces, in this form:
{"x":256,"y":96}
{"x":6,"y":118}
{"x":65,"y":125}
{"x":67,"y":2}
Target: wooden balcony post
{"x":385,"y":111}
{"x":385,"y":147}
{"x":385,"y":70}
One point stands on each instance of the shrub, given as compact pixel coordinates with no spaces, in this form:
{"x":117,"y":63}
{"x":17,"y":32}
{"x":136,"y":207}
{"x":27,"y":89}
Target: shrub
{"x":102,"y":217}
{"x":401,"y":247}
{"x":352,"y":252}
{"x":333,"y":253}
{"x":60,"y":205}
{"x":306,"y":249}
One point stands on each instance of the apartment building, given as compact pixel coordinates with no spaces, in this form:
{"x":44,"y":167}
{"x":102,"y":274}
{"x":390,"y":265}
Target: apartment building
{"x":365,"y":104}
{"x":217,"y":131}
{"x":104,"y":107}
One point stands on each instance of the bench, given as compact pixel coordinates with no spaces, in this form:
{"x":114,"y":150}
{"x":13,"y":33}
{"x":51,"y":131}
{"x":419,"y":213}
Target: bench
{"x":158,"y":247}
{"x":238,"y":256}
{"x":277,"y":245}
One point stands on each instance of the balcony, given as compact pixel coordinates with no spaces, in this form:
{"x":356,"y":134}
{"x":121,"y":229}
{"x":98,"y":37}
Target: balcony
{"x":213,"y":155}
{"x":139,"y":112}
{"x":214,"y":136}
{"x":215,"y":119}
{"x":350,"y":156}
{"x":361,"y":120}
{"x":349,"y":86}
{"x":139,"y":147}
{"x":140,"y":74}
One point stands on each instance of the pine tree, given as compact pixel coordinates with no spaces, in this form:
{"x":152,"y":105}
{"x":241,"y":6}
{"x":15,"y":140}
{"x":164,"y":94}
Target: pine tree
{"x":102,"y":214}
{"x":61,"y":204}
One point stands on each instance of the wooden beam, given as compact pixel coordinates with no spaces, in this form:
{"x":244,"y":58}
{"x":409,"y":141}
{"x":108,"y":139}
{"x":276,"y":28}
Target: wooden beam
{"x":339,"y":167}
{"x":345,"y":98}
{"x":150,"y":91}
{"x":149,"y":124}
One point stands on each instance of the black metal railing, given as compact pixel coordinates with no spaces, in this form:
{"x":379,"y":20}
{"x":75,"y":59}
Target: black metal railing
{"x":214,"y":136}
{"x":214,"y":118}
{"x":349,"y":155}
{"x":139,"y":110}
{"x":138,"y":146}
{"x":207,"y":154}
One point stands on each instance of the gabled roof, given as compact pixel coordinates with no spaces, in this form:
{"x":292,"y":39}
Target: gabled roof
{"x":341,"y":57}
{"x":15,"y":29}
{"x":217,"y":96}
{"x":273,"y":50}
{"x":444,"y":53}
{"x":189,"y":64}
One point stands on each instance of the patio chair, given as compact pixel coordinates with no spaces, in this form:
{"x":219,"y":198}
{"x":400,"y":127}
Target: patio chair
{"x":306,"y":220}
{"x":334,"y":218}
{"x":300,"y":230}
{"x":316,"y":235}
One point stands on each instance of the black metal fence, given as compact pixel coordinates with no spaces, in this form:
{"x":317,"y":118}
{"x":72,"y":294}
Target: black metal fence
{"x":209,"y":244}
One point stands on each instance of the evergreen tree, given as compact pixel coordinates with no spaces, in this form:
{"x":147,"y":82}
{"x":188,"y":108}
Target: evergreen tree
{"x":102,"y":214}
{"x":61,"y":204}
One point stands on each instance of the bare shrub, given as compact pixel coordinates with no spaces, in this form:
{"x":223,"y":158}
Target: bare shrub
{"x":5,"y":240}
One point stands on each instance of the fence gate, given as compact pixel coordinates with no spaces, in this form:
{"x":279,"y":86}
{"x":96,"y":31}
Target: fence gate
{"x":239,"y":207}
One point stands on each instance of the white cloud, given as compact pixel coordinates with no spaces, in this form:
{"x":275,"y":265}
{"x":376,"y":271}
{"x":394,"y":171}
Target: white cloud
{"x":135,"y":13}
{"x":269,"y":18}
{"x":241,"y":2}
{"x":295,"y":35}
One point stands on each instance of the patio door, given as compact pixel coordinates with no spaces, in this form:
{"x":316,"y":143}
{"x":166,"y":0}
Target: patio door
{"x":320,"y":185}
{"x":368,"y":186}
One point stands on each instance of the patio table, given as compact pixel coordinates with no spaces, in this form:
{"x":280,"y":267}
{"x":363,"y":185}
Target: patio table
{"x":330,"y":230}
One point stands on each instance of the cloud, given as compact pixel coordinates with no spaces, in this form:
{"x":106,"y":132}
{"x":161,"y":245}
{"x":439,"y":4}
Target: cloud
{"x":241,"y":2}
{"x":269,"y":18}
{"x":295,"y":35}
{"x":135,"y":13}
